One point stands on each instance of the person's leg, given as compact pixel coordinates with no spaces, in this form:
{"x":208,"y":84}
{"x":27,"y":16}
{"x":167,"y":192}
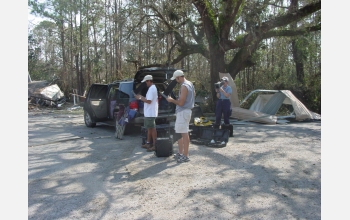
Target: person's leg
{"x":149,"y":135}
{"x":186,"y":143}
{"x":154,"y":135}
{"x":180,"y":145}
{"x":226,"y":110}
{"x":153,"y":131}
{"x":218,"y":112}
{"x":179,"y":127}
{"x":185,"y":136}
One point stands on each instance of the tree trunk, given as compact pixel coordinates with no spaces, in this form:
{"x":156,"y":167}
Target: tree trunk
{"x":298,"y":60}
{"x":96,"y":55}
{"x":106,"y":41}
{"x":296,"y":50}
{"x":217,"y":65}
{"x":76,"y":55}
{"x":88,"y":70}
{"x":81,"y":85}
{"x":115,"y":39}
{"x":111,"y":57}
{"x":71,"y":52}
{"x":139,"y":57}
{"x":64,"y":66}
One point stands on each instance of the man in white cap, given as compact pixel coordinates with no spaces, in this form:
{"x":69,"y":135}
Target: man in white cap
{"x":223,"y":105}
{"x":150,"y":111}
{"x":184,"y":104}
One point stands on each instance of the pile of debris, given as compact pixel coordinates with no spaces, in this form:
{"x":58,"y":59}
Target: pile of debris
{"x":267,"y":105}
{"x":43,"y":93}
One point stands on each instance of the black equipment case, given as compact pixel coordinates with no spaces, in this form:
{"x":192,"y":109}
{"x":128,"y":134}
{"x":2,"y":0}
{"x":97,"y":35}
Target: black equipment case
{"x":208,"y":133}
{"x":164,"y":147}
{"x":228,"y":127}
{"x":163,"y":130}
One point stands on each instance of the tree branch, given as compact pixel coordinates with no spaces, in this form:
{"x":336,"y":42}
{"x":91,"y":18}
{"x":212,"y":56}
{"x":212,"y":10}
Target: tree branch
{"x":290,"y":17}
{"x":228,"y":16}
{"x":290,"y":33}
{"x":263,"y":31}
{"x":190,"y":49}
{"x":197,"y":37}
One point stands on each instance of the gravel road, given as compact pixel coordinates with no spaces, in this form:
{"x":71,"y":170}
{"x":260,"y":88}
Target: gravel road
{"x":264,"y":172}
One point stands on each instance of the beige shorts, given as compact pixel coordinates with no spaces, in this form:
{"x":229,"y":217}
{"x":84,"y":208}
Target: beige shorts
{"x":182,"y":121}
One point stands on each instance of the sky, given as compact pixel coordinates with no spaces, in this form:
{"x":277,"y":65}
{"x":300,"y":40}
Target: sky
{"x":33,"y":20}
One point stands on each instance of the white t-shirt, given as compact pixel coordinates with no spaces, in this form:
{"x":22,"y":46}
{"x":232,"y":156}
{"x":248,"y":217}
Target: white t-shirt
{"x":151,"y":110}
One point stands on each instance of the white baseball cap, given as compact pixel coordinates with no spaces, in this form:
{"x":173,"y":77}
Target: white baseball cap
{"x":224,"y":78}
{"x":147,"y":77}
{"x":177,"y":73}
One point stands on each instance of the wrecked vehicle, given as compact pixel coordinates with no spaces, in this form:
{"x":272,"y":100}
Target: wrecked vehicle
{"x":269,"y":106}
{"x":103,"y":101}
{"x":45,"y":93}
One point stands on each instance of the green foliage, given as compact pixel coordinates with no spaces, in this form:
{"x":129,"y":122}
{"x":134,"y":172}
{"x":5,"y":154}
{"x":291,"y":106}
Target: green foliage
{"x":33,"y":54}
{"x":275,"y":69}
{"x":112,"y":34}
{"x":240,"y":39}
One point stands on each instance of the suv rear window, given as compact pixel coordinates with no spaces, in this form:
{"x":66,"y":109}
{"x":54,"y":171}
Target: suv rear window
{"x":98,"y":92}
{"x":115,"y":94}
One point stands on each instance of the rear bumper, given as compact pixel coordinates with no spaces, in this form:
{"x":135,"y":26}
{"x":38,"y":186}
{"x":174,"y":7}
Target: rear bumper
{"x":167,"y":118}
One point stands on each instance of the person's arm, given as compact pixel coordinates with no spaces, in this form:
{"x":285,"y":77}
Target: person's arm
{"x":143,"y":99}
{"x":227,"y":95}
{"x":152,"y":91}
{"x":146,"y":100}
{"x":182,"y":99}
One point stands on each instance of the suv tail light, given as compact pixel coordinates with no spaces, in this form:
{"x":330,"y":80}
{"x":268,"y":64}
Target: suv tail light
{"x":134,"y":105}
{"x":159,"y":98}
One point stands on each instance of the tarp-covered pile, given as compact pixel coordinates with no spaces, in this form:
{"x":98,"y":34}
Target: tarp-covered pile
{"x":265,"y":106}
{"x":43,"y":92}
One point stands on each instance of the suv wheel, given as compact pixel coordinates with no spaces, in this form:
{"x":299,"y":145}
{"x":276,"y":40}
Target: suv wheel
{"x":88,"y":120}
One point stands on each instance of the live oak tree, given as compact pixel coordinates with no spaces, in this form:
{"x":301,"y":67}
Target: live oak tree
{"x":228,"y":32}
{"x":104,"y":40}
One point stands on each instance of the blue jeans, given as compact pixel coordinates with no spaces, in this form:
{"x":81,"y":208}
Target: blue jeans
{"x":223,"y":106}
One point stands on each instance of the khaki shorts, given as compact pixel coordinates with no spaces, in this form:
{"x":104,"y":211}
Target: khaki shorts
{"x":182,"y":121}
{"x":149,"y":122}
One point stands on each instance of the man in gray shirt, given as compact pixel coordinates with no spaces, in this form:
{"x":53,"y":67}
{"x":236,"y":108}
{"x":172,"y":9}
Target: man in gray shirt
{"x":184,"y":105}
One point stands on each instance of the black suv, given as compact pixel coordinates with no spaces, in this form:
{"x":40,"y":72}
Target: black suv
{"x":103,"y":100}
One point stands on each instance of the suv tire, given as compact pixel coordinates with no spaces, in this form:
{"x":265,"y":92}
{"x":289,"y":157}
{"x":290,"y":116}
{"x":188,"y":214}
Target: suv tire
{"x":88,"y":120}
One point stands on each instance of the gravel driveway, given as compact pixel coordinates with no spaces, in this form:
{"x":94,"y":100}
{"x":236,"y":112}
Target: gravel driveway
{"x":264,"y":172}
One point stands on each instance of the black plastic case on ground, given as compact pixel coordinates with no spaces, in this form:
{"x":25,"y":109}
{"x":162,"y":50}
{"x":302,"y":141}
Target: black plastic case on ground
{"x":164,"y":147}
{"x":195,"y":131}
{"x":228,"y":127}
{"x":163,"y":130}
{"x":207,"y":134}
{"x":221,"y":135}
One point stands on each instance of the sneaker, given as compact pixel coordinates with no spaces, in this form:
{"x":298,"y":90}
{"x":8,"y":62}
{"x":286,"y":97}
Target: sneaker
{"x":176,"y":156}
{"x":182,"y":159}
{"x":146,"y":145}
{"x":151,"y":148}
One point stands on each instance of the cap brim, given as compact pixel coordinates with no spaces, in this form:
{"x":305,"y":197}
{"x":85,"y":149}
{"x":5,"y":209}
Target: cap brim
{"x":172,"y":78}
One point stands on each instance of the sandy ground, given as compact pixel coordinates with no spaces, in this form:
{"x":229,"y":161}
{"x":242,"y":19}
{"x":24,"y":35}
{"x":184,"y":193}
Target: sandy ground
{"x":264,"y":172}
